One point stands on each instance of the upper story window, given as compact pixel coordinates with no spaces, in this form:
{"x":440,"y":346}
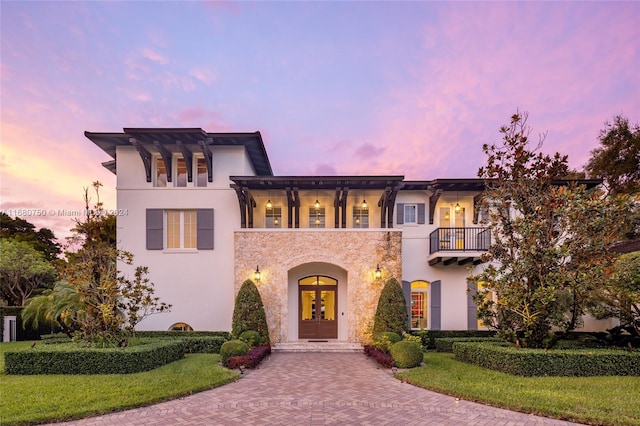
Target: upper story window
{"x":316,"y":217}
{"x":273,"y":217}
{"x":160,"y":177}
{"x":179,"y":168}
{"x":201,"y":171}
{"x":412,"y":213}
{"x":360,"y":217}
{"x":182,"y":229}
{"x":181,"y":173}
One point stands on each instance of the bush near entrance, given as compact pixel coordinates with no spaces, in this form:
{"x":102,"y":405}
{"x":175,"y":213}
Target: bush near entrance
{"x":539,"y":362}
{"x":406,"y":354}
{"x":391,"y":313}
{"x":233,"y":348}
{"x":248,"y":313}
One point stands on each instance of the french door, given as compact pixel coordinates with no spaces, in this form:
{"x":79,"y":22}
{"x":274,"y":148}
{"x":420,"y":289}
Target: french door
{"x":318,"y":307}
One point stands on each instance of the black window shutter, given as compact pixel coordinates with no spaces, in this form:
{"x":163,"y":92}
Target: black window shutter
{"x":436,"y":323}
{"x":421,"y":213}
{"x":472,"y":319}
{"x":155,"y":219}
{"x":400,"y":213}
{"x":205,"y":229}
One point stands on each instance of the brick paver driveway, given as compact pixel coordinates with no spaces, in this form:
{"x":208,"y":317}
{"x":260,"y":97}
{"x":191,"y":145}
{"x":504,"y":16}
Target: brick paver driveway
{"x":318,"y":389}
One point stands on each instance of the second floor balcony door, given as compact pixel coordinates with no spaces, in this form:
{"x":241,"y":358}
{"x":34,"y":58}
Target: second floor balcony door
{"x":452,"y":218}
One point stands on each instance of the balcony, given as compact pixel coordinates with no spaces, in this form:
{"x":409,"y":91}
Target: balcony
{"x":458,"y":245}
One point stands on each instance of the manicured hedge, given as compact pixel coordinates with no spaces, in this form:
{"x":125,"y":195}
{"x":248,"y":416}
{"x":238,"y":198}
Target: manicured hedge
{"x":71,"y":359}
{"x":52,"y":339}
{"x":538,"y":362}
{"x":429,"y":337}
{"x":445,"y":344}
{"x":182,"y":334}
{"x":203,"y":345}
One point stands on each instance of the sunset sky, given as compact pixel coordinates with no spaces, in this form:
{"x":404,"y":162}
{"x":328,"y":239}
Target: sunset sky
{"x":403,"y":88}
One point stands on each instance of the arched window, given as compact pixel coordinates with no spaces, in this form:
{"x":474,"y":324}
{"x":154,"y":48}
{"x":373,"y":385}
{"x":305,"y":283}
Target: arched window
{"x":419,"y":304}
{"x":181,"y":326}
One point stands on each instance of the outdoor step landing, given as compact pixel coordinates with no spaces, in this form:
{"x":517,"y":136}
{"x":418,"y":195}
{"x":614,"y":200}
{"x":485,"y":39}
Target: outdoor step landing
{"x":317,"y":346}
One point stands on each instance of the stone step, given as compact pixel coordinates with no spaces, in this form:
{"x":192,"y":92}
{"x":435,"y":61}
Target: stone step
{"x":317,"y":346}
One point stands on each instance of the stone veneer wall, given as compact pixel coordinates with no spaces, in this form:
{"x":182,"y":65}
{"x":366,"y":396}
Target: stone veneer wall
{"x":356,"y":251}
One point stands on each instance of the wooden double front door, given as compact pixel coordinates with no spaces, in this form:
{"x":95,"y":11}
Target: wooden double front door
{"x":318,"y":307}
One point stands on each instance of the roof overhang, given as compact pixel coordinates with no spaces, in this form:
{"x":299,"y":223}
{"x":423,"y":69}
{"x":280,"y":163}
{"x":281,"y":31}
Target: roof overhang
{"x":172,"y":138}
{"x":317,"y":182}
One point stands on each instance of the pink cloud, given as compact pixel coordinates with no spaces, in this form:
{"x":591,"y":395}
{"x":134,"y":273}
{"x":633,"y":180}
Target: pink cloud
{"x":154,"y":56}
{"x":203,"y":75}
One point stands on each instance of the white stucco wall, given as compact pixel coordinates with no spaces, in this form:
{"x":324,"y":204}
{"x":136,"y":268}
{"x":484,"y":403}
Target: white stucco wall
{"x":199,"y":284}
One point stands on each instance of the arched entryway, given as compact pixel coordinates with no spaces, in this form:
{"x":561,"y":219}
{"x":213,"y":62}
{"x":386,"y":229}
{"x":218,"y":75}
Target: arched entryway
{"x":318,"y":307}
{"x":308,"y":284}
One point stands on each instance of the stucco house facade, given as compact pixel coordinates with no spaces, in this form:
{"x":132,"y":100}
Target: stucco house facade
{"x":205,"y":212}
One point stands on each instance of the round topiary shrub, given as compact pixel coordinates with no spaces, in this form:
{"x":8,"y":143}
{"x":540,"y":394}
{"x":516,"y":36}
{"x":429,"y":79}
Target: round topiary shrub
{"x":391,"y":313}
{"x":406,"y":354}
{"x":250,"y":337}
{"x":233,"y":348}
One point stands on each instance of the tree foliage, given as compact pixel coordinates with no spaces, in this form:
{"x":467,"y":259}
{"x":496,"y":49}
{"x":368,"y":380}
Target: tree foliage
{"x":619,"y":297}
{"x":18,"y":229}
{"x":23,"y":270}
{"x":391,"y":312}
{"x":248,"y":312}
{"x":617,"y":160}
{"x":551,"y":239}
{"x":94,"y":301}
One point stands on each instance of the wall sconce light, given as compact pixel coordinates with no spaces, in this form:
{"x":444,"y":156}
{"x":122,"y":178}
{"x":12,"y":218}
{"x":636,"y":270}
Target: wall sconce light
{"x":457,"y":208}
{"x":276,"y":221}
{"x":269,"y":205}
{"x":257,"y":275}
{"x":364,"y":201}
{"x":378,"y":272}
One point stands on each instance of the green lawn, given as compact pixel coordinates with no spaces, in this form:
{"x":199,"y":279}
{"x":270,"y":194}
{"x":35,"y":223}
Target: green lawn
{"x":39,"y":399}
{"x":593,"y":400}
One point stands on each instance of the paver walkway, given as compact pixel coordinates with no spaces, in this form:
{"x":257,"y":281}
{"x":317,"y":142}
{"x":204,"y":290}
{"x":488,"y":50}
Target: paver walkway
{"x":318,"y":389}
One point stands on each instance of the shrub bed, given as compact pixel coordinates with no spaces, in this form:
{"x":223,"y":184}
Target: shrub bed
{"x":251,"y":360}
{"x":379,"y":356}
{"x":538,"y":362}
{"x":71,"y":359}
{"x":445,"y":344}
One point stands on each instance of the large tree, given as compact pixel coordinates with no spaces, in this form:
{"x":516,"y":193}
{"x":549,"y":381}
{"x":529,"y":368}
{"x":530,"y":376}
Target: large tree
{"x":617,"y":160}
{"x":23,"y":270}
{"x":93,"y":299}
{"x":551,"y":239}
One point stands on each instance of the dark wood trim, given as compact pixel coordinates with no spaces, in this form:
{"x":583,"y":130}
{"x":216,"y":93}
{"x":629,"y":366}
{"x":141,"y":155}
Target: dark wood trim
{"x":204,"y":147}
{"x":450,"y":261}
{"x":464,"y":261}
{"x":144,"y":155}
{"x":435,"y":261}
{"x":166,"y":156}
{"x":188,"y":159}
{"x":336,"y":208}
{"x":433,"y":200}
